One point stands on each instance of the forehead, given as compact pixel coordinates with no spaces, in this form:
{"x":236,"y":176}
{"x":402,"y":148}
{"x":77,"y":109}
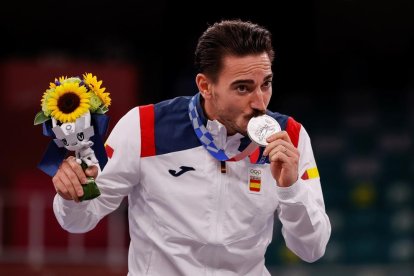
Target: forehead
{"x":246,"y":67}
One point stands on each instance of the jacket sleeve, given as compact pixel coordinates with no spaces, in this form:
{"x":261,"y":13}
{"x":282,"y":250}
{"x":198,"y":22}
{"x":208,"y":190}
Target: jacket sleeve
{"x":305,"y":225}
{"x":116,"y":180}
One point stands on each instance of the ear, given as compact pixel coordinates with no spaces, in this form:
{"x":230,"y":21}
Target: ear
{"x":203,"y":84}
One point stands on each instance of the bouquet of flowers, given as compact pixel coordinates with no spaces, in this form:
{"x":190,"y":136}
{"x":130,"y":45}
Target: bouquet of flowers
{"x":72,"y":111}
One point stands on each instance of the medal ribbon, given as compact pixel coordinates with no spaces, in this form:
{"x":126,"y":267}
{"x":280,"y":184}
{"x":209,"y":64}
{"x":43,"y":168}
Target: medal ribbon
{"x":207,"y":139}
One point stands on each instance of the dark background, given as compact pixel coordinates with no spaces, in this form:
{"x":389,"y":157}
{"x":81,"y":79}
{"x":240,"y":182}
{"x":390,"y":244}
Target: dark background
{"x":321,"y":46}
{"x":343,"y":68}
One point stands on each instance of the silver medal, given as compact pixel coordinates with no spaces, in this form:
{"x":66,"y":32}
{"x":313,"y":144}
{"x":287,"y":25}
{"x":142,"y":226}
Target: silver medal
{"x":261,"y":127}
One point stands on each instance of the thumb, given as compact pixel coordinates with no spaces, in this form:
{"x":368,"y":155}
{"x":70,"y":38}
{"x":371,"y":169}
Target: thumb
{"x":92,"y":171}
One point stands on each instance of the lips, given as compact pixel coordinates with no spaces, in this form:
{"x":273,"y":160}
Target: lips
{"x":256,"y":113}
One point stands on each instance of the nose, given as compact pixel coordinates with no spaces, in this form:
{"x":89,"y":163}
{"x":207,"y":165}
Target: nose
{"x":257,"y":100}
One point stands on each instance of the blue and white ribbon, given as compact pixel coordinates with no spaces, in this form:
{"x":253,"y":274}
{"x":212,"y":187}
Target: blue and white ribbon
{"x":207,"y":139}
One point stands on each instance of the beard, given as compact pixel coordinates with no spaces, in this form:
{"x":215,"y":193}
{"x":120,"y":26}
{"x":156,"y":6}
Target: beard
{"x":233,"y":119}
{"x":234,"y":126}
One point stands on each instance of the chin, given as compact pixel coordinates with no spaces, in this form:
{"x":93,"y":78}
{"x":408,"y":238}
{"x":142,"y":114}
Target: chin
{"x":242,"y":130}
{"x":234,"y":127}
{"x":244,"y":133}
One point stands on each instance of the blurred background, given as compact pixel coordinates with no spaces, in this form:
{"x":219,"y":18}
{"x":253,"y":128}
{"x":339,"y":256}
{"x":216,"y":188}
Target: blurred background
{"x":343,"y":68}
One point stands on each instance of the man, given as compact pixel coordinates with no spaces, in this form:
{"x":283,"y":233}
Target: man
{"x":193,"y":209}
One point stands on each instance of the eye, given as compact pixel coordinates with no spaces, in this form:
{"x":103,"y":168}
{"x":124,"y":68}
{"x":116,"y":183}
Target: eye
{"x":242,"y":89}
{"x":65,"y":142}
{"x":80,"y":136}
{"x":267,"y":84}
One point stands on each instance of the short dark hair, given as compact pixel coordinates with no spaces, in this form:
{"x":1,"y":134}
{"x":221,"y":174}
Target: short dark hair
{"x":230,"y":38}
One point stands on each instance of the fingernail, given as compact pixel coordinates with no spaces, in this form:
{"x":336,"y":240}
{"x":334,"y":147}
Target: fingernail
{"x":80,"y":192}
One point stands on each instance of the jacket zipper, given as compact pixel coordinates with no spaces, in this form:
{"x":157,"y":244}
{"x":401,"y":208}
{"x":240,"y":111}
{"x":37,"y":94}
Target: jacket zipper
{"x":221,"y":189}
{"x":223,"y":168}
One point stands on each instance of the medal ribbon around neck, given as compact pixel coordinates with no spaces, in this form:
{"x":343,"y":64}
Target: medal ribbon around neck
{"x":207,"y":139}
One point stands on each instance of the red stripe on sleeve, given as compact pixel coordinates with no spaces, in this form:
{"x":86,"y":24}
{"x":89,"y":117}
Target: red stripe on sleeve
{"x":254,"y":156}
{"x":109,"y":150}
{"x":293,"y":129}
{"x":146,"y":117}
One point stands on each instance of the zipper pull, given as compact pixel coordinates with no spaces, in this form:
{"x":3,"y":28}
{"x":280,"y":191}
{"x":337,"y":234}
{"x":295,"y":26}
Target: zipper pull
{"x":223,"y":168}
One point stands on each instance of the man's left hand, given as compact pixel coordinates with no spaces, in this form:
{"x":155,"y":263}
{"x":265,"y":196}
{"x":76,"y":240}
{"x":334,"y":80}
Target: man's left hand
{"x":283,"y":157}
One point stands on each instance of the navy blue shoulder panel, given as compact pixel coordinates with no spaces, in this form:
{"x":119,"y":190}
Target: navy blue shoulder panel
{"x":173,"y":128}
{"x":280,"y":118}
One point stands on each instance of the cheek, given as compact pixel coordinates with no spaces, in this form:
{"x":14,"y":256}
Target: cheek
{"x":267,"y":97}
{"x":234,"y":109}
{"x":226,"y":105}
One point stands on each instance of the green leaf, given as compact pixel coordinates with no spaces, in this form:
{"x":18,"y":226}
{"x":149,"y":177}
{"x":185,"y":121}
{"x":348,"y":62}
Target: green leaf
{"x":101,"y":110}
{"x":40,"y":118}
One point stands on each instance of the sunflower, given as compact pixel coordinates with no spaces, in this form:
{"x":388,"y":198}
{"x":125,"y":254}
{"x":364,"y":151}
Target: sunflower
{"x":44,"y":100}
{"x":68,"y":102}
{"x":95,"y":85}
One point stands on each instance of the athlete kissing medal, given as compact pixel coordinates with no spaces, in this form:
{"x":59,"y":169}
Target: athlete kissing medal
{"x":261,"y":127}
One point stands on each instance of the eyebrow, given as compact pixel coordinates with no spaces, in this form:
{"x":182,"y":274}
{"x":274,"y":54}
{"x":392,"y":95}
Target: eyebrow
{"x":249,"y":81}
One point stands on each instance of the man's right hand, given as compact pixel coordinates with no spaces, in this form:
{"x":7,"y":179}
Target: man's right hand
{"x":70,"y":176}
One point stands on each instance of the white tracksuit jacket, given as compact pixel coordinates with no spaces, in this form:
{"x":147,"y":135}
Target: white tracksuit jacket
{"x":186,"y":217}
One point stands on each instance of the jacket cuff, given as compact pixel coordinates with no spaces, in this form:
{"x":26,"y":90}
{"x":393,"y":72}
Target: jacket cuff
{"x":291,"y":192}
{"x":71,"y":204}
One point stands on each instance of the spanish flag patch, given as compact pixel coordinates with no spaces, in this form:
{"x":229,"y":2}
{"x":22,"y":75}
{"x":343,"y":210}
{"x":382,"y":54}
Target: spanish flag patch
{"x":255,"y":180}
{"x":254,"y":185}
{"x":310,"y":173}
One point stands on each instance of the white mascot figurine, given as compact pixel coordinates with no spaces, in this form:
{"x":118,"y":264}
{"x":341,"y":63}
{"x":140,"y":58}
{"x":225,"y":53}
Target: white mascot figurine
{"x":75,"y":137}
